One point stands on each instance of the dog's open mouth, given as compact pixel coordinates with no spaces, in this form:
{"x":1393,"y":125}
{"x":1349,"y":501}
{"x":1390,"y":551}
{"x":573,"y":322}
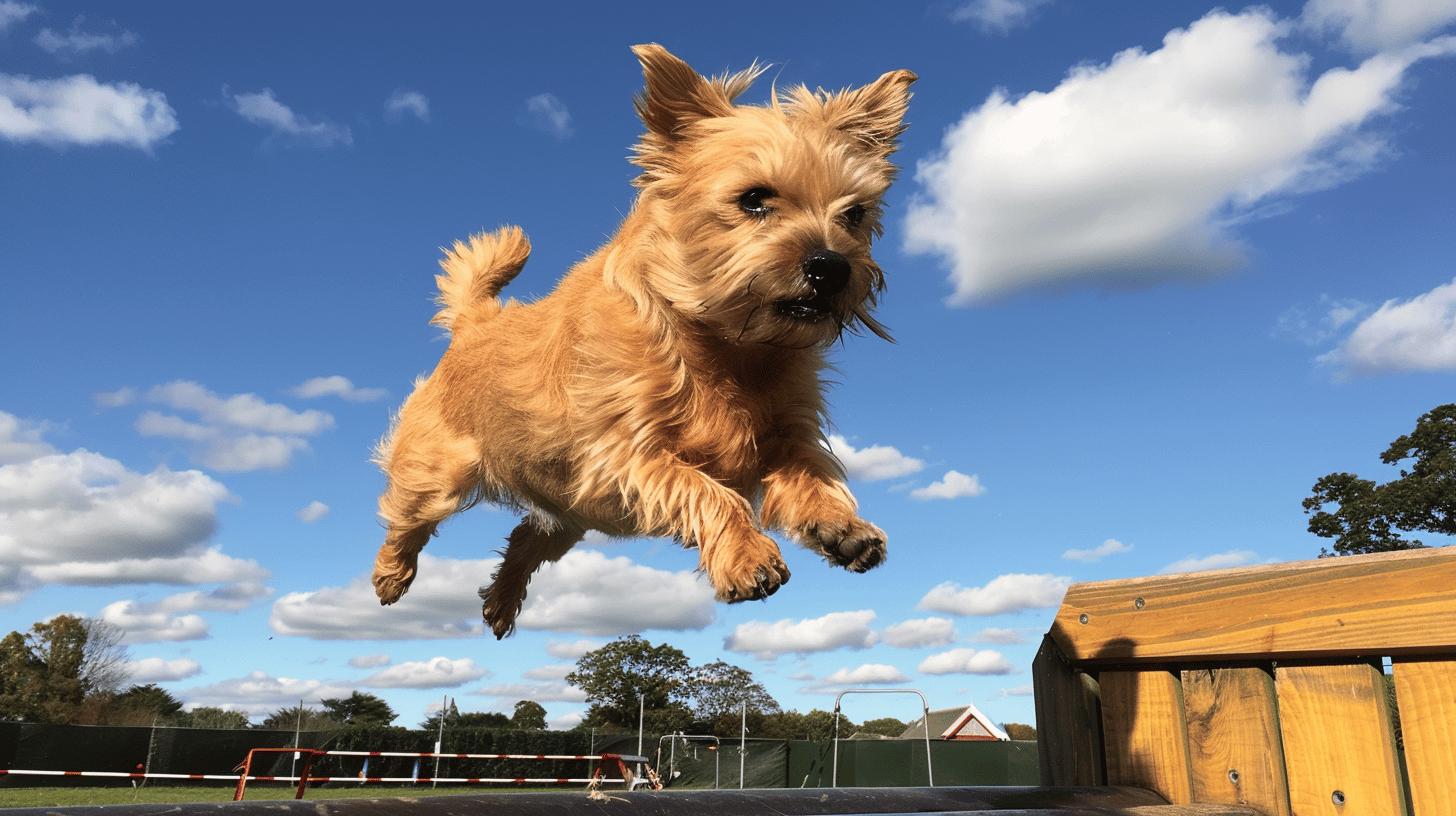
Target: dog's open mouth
{"x":807,"y":310}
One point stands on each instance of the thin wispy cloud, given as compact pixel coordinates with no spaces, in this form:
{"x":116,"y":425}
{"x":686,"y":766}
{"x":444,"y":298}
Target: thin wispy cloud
{"x":404,"y":103}
{"x":262,"y":108}
{"x":997,"y":16}
{"x":546,"y":113}
{"x":13,"y":13}
{"x":76,"y":41}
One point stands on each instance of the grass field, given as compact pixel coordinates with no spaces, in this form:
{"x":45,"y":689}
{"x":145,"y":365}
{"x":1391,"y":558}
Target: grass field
{"x":56,"y":797}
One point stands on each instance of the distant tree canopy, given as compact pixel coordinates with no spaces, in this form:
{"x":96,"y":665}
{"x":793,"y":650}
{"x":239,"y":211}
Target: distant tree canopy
{"x":64,"y":670}
{"x":300,"y":717}
{"x":529,"y":716}
{"x":211,"y":717}
{"x":1367,"y":517}
{"x":719,"y":692}
{"x":614,"y":675}
{"x":817,"y":725}
{"x":883,"y":726}
{"x":359,"y":708}
{"x":1019,"y":731}
{"x":454,"y":718}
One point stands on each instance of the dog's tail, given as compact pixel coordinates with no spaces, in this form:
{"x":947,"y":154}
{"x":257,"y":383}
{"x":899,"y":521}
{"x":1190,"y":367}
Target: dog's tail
{"x":475,"y":273}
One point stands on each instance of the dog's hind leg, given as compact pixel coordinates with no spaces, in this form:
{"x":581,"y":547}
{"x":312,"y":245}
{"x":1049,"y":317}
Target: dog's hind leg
{"x":527,"y":549}
{"x":429,"y":479}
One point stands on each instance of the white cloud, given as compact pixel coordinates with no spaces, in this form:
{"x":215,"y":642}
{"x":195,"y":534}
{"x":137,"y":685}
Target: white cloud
{"x":260,"y":693}
{"x":999,"y":635}
{"x":546,"y":113}
{"x":237,"y":433}
{"x":369,"y":661}
{"x":966,"y":661}
{"x":836,"y":630}
{"x":1027,"y":690}
{"x":437,"y":672}
{"x":1005,"y":593}
{"x":953,"y":485}
{"x":872,"y":463}
{"x":1231,"y":558}
{"x":1109,"y":547}
{"x":582,"y":592}
{"x":551,"y":692}
{"x":997,"y":16}
{"x":1375,"y":25}
{"x":141,"y":623}
{"x":313,"y":511}
{"x":75,"y":41}
{"x":262,"y":108}
{"x":867,"y":674}
{"x":1055,"y":186}
{"x":1403,"y":335}
{"x":565,"y":722}
{"x":12,"y":12}
{"x":119,"y":398}
{"x":337,"y":386}
{"x":403,"y":102}
{"x":1320,"y":324}
{"x":82,"y":518}
{"x":912,"y":634}
{"x":551,"y":671}
{"x":157,"y":670}
{"x":572,"y":649}
{"x":78,"y":110}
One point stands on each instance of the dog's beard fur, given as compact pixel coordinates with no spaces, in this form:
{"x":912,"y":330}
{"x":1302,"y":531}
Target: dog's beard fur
{"x":669,"y":385}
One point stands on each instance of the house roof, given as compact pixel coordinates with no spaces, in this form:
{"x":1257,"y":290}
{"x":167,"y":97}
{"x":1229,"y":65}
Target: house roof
{"x":951,"y":723}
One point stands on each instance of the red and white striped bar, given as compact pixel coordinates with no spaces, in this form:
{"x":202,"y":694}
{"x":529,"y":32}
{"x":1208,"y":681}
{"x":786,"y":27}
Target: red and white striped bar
{"x":599,"y":757}
{"x":462,"y":780}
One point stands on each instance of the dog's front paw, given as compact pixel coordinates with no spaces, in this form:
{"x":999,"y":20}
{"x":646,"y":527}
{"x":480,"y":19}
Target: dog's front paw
{"x":392,"y":578}
{"x":750,"y":570}
{"x":855,"y":544}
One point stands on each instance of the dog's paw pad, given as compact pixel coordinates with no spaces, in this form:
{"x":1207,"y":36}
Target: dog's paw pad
{"x":856,"y":545}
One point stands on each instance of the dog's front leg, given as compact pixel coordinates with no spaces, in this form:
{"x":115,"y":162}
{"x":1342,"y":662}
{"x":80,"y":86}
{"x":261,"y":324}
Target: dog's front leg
{"x":669,"y":496}
{"x":806,"y":497}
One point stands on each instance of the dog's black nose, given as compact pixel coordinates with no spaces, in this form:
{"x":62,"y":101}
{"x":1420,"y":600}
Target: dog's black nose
{"x":827,"y":272}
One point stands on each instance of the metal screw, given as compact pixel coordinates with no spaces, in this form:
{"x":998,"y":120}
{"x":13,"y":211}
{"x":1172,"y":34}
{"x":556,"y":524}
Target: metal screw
{"x":1338,"y":797}
{"x":1082,"y":618}
{"x":1139,"y":603}
{"x":1234,"y":776}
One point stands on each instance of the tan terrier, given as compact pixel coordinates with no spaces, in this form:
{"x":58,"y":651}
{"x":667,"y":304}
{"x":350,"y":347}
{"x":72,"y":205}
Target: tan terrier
{"x":669,"y":386}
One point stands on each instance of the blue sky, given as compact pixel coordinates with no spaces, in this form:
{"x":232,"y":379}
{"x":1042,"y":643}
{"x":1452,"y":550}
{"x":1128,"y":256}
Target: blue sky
{"x":1152,"y":270}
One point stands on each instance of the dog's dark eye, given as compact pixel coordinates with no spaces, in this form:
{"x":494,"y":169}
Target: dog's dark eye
{"x":754,"y":201}
{"x":854,"y":215}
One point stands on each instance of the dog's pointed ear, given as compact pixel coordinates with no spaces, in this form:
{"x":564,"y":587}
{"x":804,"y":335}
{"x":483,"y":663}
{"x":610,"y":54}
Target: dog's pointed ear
{"x":875,"y":113}
{"x":675,"y":95}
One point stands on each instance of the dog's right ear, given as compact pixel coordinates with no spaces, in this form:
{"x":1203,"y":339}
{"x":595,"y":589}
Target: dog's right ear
{"x":675,"y":95}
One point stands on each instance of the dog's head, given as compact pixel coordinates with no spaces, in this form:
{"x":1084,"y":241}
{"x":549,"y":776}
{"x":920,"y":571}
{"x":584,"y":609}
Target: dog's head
{"x":769,"y":210}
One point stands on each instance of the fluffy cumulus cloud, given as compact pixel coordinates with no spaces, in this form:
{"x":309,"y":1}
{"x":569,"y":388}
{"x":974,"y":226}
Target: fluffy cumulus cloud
{"x":547,"y":692}
{"x":404,"y":103}
{"x":1005,"y":593}
{"x":866,"y":674}
{"x":259,"y":693}
{"x":1053,"y":186}
{"x":999,"y":635}
{"x":874,"y":462}
{"x":836,"y":630}
{"x":953,"y":485}
{"x":119,"y":398}
{"x":565,"y":722}
{"x":13,"y":12}
{"x":83,"y":518}
{"x":583,"y":592}
{"x":572,"y":649}
{"x":1109,"y":547}
{"x":912,"y":634}
{"x":437,"y":672}
{"x":1223,"y":560}
{"x":76,"y":41}
{"x":79,"y":110}
{"x":1418,"y":334}
{"x":313,"y":511}
{"x":237,"y":433}
{"x":546,"y":113}
{"x":966,"y":661}
{"x":997,"y":16}
{"x":1372,"y":25}
{"x":263,"y":109}
{"x":552,"y":671}
{"x":157,"y":670}
{"x":336,"y":386}
{"x":174,"y":617}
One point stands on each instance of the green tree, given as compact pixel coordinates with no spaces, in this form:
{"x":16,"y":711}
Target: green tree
{"x":212,"y":717}
{"x":49,"y":673}
{"x":139,"y":705}
{"x":455,"y":718}
{"x":1369,"y":517}
{"x":817,"y":725}
{"x":883,"y":726}
{"x":719,"y":691}
{"x":614,"y":675}
{"x":529,"y":716}
{"x":1019,"y":731}
{"x":299,"y":716}
{"x":359,"y":708}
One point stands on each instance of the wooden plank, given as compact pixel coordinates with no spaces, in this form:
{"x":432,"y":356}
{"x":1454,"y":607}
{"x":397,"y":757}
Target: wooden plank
{"x":1425,"y":691}
{"x":1068,"y":721}
{"x":1369,"y":605}
{"x":1146,"y":732}
{"x":1339,"y":747}
{"x":1233,"y":739}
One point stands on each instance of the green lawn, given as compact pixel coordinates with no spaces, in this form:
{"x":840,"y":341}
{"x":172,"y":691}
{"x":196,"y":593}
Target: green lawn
{"x":56,"y":797}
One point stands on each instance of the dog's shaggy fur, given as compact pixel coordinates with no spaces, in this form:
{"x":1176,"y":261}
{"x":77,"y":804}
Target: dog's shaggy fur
{"x":670,"y":384}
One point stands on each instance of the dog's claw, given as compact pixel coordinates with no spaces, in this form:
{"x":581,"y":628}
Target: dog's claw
{"x":856,"y":545}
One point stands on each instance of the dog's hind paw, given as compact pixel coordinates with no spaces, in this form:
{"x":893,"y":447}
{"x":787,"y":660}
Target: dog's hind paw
{"x":856,"y":545}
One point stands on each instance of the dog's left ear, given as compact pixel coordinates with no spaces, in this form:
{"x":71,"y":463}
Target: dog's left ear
{"x":674,"y":95}
{"x":875,"y":113}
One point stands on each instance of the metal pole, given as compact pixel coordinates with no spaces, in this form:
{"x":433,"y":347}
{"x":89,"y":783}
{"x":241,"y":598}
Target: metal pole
{"x":834,"y":775}
{"x":440,"y":736}
{"x":742,"y":744}
{"x":297,"y":726}
{"x":641,"y":718}
{"x":925,"y":707}
{"x":929,"y":772}
{"x":591,"y":763}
